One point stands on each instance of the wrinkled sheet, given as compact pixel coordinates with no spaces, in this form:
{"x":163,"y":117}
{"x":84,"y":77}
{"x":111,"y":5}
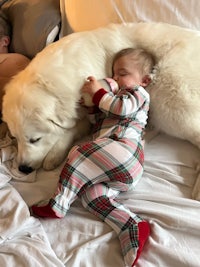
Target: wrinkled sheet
{"x":23,"y":241}
{"x":163,"y":197}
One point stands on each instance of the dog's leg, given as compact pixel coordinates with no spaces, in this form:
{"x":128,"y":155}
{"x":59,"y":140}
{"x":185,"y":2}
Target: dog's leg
{"x":59,"y":151}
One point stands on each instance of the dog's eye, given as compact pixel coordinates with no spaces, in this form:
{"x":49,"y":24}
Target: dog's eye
{"x":32,"y":140}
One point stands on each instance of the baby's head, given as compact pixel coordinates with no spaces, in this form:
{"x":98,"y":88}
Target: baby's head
{"x":132,"y":67}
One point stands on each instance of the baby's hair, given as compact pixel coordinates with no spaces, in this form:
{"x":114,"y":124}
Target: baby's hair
{"x":5,"y":28}
{"x":143,"y":59}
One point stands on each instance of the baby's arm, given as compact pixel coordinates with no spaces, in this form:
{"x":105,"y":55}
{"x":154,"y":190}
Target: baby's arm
{"x":125,"y":104}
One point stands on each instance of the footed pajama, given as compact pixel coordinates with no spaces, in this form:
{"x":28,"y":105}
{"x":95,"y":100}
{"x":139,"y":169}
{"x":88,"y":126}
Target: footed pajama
{"x":99,"y":170}
{"x":96,"y":176}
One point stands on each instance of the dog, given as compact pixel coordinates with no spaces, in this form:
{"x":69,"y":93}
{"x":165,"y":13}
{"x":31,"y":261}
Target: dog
{"x":44,"y":121}
{"x":41,"y":107}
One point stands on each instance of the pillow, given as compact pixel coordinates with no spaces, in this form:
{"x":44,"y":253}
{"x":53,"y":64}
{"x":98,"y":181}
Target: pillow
{"x":32,"y":22}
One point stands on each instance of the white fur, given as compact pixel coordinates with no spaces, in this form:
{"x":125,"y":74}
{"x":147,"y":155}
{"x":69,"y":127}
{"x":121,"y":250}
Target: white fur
{"x":48,"y":89}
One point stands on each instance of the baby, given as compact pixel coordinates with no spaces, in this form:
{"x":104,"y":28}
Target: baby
{"x":97,"y":171}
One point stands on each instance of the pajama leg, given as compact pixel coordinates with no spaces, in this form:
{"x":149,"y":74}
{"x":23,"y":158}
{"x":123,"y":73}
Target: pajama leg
{"x":132,"y":230}
{"x":103,"y":160}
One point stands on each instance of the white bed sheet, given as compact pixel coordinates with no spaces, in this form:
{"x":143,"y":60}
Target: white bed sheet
{"x":163,"y":197}
{"x":23,"y":241}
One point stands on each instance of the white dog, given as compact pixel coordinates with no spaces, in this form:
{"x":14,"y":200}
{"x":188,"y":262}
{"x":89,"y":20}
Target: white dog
{"x":40,"y":104}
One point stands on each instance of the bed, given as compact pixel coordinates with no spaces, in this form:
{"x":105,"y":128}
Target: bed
{"x":167,"y":195}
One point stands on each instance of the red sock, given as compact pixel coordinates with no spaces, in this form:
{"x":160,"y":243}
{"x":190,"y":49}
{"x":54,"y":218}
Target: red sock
{"x":44,"y":211}
{"x":144,"y":232}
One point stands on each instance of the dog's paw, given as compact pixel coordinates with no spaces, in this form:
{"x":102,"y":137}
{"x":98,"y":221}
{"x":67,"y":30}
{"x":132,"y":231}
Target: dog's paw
{"x":56,"y":155}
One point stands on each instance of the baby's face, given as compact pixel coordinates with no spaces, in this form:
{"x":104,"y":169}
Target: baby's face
{"x":126,"y":73}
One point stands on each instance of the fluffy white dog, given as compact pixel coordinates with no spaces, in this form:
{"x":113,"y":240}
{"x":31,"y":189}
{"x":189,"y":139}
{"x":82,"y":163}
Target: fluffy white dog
{"x":40,"y":104}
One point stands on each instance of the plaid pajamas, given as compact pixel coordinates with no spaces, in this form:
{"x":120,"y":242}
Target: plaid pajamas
{"x":115,"y":157}
{"x":97,"y":171}
{"x":92,"y":163}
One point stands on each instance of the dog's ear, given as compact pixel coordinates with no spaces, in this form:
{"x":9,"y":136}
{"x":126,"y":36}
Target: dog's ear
{"x":62,"y":105}
{"x":65,"y":113}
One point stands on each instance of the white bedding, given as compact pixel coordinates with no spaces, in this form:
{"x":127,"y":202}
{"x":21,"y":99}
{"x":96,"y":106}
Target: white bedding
{"x":163,"y":197}
{"x":90,"y":14}
{"x":23,"y":241}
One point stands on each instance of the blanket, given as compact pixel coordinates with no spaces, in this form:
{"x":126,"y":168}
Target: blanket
{"x":21,"y":233}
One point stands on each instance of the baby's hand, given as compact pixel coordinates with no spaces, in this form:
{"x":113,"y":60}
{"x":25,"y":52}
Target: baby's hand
{"x":90,"y":87}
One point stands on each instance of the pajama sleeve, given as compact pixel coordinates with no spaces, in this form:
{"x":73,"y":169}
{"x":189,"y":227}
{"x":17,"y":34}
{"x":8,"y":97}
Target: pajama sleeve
{"x":124,"y":104}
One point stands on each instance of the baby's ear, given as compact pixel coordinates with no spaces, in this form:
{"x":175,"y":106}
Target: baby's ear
{"x":146,"y":80}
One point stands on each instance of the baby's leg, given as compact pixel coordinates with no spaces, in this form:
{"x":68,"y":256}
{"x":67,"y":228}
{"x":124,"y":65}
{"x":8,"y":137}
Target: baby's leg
{"x":79,"y":173}
{"x":132,"y":230}
{"x":93,"y":163}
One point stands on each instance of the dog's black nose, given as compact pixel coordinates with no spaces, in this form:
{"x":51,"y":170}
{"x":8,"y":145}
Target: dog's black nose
{"x":25,"y":169}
